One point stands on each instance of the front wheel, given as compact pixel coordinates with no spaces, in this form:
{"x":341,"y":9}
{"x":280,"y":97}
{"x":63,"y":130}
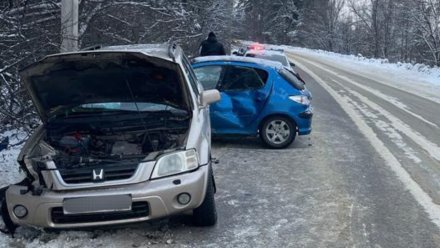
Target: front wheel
{"x":206,"y":214}
{"x":10,"y":226}
{"x":278,"y":132}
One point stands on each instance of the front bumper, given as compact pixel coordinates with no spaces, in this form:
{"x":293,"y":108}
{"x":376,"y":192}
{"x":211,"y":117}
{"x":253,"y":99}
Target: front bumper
{"x":160,"y":196}
{"x":307,"y":114}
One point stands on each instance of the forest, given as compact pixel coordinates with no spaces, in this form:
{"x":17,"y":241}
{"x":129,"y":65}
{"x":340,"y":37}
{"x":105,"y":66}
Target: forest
{"x":395,"y":30}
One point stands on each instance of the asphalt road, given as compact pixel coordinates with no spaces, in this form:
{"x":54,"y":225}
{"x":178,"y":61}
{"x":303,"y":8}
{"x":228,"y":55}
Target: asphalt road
{"x":334,"y":188}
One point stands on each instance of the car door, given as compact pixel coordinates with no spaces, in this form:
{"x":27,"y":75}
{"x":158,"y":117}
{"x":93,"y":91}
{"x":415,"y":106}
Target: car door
{"x":244,"y":91}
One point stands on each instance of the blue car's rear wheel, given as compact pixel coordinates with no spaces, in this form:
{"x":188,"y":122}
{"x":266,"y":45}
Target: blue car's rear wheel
{"x":278,"y":132}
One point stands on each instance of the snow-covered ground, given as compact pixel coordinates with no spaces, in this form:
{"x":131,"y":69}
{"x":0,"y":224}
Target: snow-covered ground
{"x":415,"y":78}
{"x":9,"y":169}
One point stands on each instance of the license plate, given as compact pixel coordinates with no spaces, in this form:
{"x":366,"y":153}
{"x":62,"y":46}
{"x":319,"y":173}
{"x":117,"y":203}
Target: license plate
{"x":98,"y":204}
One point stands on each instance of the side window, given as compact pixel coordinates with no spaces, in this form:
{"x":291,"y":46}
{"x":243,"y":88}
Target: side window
{"x":209,"y":76}
{"x":243,"y":78}
{"x":190,"y":73}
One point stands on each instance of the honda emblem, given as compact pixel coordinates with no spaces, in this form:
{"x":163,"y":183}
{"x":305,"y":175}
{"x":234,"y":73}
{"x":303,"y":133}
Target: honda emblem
{"x":98,"y":175}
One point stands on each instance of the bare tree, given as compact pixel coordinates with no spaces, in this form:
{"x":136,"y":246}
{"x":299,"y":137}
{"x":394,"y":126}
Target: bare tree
{"x":273,"y":21}
{"x":425,"y":17}
{"x":28,"y":31}
{"x":31,"y":29}
{"x":321,"y":29}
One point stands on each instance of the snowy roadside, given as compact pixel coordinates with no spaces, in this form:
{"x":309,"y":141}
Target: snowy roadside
{"x":417,"y":79}
{"x":9,"y":169}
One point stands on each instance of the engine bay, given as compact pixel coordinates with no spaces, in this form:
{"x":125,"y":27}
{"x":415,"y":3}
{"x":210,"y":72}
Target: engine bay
{"x":82,"y":145}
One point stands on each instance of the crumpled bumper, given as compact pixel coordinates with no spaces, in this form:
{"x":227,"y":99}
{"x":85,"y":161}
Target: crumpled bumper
{"x":153,"y":199}
{"x":305,"y":122}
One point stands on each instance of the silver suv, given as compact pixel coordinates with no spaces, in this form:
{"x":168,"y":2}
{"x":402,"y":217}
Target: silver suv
{"x":125,"y":138}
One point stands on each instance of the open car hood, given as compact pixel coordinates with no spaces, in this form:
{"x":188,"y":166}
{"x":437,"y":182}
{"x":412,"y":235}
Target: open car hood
{"x":70,"y":80}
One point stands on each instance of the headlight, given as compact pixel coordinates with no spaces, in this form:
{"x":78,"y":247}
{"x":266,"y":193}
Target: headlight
{"x":175,"y":163}
{"x":300,"y":99}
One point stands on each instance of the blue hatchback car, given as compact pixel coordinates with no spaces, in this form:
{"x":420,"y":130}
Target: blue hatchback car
{"x":257,"y":97}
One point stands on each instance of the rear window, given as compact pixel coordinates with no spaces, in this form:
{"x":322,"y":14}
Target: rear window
{"x":292,"y":79}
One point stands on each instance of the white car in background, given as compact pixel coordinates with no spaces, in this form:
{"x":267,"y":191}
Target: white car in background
{"x":273,"y":55}
{"x":277,"y":56}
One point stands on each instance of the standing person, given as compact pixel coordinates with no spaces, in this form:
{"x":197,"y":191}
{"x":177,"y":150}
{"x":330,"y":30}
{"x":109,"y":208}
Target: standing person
{"x":211,"y":47}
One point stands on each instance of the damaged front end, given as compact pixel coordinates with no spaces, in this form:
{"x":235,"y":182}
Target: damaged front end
{"x":106,"y":118}
{"x":70,"y":154}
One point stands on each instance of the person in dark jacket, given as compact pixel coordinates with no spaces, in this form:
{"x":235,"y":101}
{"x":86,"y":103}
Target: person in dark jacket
{"x":211,"y":47}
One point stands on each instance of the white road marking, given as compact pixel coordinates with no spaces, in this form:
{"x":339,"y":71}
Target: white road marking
{"x":432,"y":149}
{"x":391,"y":132}
{"x":432,"y":209}
{"x":393,"y":85}
{"x":394,"y":101}
{"x":423,"y":142}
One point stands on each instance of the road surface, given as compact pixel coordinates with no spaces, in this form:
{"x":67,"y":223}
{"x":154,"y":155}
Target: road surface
{"x":368,"y":176}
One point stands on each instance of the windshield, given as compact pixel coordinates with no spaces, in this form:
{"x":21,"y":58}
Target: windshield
{"x":123,"y":106}
{"x":109,"y":108}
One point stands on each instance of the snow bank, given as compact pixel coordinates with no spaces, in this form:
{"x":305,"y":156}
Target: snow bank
{"x":428,"y":72}
{"x":9,"y":169}
{"x":414,"y":78}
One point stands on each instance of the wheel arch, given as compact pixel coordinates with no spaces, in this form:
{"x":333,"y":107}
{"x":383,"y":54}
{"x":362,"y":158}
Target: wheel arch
{"x":260,"y":124}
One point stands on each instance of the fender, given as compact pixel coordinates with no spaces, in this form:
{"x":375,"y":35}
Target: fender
{"x":10,"y":227}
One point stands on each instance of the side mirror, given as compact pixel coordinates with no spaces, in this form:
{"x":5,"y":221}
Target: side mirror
{"x":209,"y":97}
{"x":292,"y":64}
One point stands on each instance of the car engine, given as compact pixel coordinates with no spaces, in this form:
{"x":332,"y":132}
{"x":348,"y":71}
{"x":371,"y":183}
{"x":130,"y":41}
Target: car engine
{"x":88,"y":144}
{"x":79,"y":148}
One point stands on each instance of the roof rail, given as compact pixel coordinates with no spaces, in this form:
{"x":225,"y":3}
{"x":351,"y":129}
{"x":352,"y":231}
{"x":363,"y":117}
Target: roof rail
{"x":92,"y":48}
{"x":172,"y":50}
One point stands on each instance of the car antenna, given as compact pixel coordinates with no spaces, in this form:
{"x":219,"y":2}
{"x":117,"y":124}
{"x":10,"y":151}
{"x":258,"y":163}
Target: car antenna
{"x":139,"y":113}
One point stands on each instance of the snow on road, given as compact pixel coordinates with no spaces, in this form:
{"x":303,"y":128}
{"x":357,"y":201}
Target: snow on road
{"x":355,"y":113}
{"x":419,"y":79}
{"x":398,"y":124}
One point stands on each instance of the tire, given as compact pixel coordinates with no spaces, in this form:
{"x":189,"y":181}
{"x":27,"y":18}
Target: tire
{"x":206,"y":214}
{"x":278,"y":132}
{"x":10,"y":226}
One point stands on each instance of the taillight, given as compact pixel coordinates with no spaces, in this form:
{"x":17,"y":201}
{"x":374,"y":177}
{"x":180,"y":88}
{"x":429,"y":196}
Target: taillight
{"x":302,"y":99}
